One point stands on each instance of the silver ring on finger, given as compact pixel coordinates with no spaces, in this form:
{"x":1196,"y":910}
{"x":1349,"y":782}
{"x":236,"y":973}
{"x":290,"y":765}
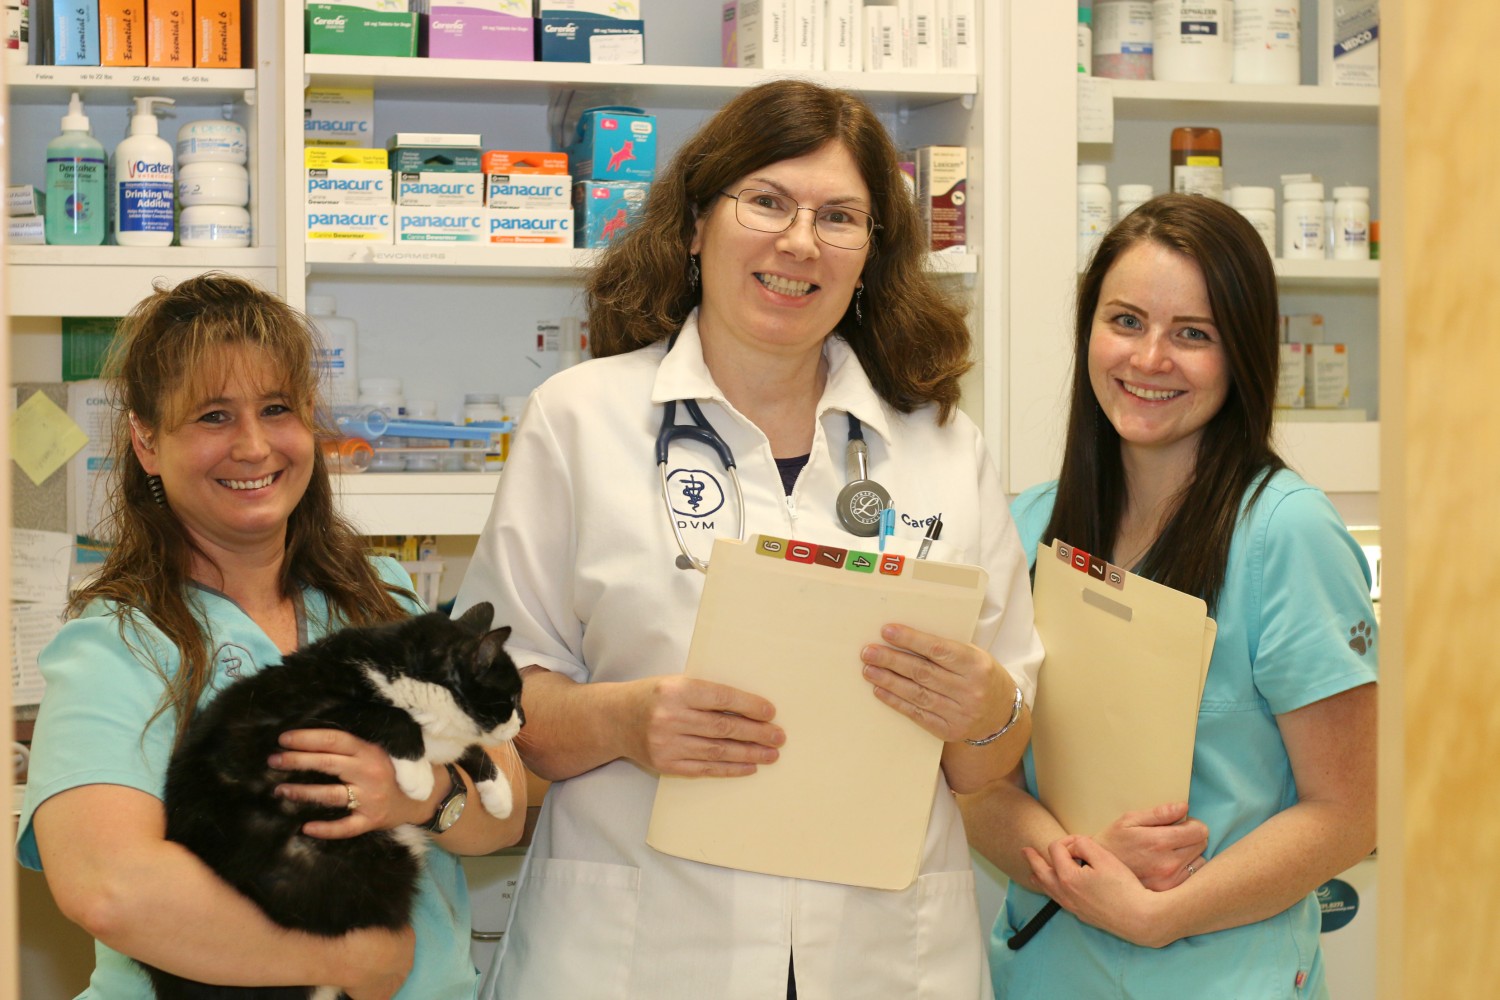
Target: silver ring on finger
{"x":353,"y":799}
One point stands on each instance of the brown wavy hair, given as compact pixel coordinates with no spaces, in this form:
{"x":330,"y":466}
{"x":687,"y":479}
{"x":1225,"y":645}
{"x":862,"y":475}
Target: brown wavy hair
{"x":1192,"y":551}
{"x":170,"y":350}
{"x":913,"y":342}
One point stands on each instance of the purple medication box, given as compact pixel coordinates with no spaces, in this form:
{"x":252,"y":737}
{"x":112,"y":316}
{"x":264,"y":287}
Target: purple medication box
{"x":465,"y":33}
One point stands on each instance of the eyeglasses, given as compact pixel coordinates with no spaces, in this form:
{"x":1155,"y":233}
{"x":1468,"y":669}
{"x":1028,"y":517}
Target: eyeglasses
{"x":770,"y":212}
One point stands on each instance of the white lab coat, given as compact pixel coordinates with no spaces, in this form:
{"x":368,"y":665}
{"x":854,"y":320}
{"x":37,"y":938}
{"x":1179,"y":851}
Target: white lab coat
{"x":578,"y":559}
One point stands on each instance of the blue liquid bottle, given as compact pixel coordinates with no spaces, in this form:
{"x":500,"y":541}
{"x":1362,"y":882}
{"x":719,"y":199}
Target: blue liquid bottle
{"x":76,"y":169}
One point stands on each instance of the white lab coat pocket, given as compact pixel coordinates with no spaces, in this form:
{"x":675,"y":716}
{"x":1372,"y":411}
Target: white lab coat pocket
{"x":950,"y":945}
{"x":573,"y":933}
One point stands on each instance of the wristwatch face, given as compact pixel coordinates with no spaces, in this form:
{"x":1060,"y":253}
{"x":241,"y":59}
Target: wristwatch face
{"x":452,"y":809}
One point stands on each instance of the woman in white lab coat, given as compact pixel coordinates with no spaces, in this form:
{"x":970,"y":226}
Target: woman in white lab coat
{"x":777,"y":280}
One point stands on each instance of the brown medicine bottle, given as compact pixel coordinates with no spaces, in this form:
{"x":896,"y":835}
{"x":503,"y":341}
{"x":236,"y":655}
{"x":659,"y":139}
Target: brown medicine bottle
{"x":1198,"y":161}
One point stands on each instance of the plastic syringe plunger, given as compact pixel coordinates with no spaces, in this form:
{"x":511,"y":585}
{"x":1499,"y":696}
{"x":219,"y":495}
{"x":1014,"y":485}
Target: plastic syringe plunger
{"x":367,"y":422}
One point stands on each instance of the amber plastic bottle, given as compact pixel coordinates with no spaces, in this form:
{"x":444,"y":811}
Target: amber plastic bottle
{"x":1198,"y":161}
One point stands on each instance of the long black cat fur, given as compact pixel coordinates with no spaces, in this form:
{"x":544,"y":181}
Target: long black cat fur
{"x":427,"y":690}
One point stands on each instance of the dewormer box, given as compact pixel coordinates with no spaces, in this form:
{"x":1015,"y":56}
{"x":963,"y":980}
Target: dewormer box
{"x":440,"y":225}
{"x":429,"y":190}
{"x":539,"y":228}
{"x":352,"y":188}
{"x":338,"y":116}
{"x":528,"y":192}
{"x":349,"y":222}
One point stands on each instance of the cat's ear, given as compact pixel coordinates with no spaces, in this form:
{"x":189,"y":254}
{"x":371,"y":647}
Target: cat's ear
{"x":477,"y":619}
{"x":492,"y":646}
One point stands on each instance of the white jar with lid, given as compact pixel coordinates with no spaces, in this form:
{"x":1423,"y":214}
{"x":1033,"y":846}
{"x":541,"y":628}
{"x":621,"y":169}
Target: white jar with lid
{"x":1191,"y":41}
{"x":1094,"y":215}
{"x":1302,"y":234}
{"x":1131,"y":197}
{"x":1258,"y":206}
{"x":384,"y":394}
{"x":212,"y":140}
{"x":1351,"y":223}
{"x":214,"y":226}
{"x":211,"y":182}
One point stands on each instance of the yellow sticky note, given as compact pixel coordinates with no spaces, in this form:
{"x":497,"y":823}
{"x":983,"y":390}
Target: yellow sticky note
{"x":43,"y":437}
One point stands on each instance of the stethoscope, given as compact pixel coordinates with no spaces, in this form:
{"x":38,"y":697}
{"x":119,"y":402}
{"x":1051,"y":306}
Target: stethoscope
{"x":858,"y":505}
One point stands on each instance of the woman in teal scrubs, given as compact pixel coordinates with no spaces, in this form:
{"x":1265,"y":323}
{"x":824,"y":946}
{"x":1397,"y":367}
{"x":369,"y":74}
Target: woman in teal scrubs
{"x":227,"y":552}
{"x":1170,"y":470}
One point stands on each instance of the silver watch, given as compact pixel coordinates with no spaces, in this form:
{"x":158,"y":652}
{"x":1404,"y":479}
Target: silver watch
{"x":452,"y":806}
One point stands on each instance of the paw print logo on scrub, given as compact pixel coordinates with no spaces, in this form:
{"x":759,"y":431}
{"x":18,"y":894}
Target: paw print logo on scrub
{"x":1361,"y":638}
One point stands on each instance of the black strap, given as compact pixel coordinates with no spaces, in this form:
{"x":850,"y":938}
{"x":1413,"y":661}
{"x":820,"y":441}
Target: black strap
{"x":1036,"y":923}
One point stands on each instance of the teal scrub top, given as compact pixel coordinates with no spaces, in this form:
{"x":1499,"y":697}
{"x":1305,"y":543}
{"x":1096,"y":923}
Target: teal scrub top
{"x":1296,"y":625}
{"x":99,"y":697}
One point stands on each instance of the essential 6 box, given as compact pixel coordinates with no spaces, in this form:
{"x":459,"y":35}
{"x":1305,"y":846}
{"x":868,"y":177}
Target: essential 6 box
{"x":614,"y":144}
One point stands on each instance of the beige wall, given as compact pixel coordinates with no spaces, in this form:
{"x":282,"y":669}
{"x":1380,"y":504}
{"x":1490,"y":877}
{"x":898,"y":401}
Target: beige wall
{"x":1440,"y":492}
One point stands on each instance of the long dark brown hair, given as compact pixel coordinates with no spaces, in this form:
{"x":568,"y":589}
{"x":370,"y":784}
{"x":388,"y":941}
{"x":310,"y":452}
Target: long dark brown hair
{"x":171,"y":349}
{"x":913,"y":341}
{"x":1192,"y":551}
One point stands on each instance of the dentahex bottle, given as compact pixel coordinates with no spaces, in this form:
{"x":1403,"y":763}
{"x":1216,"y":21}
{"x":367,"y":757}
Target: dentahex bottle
{"x":76,"y":166}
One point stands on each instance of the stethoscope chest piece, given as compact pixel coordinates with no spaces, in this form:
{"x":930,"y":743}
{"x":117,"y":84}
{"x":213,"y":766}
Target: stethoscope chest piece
{"x":859,"y":505}
{"x":862,"y":499}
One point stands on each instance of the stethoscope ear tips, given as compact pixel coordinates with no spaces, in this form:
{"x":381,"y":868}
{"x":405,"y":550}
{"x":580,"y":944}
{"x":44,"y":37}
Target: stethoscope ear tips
{"x":683,"y":562}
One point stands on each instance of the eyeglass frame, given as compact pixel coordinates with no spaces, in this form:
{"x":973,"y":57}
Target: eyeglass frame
{"x":869,"y":234}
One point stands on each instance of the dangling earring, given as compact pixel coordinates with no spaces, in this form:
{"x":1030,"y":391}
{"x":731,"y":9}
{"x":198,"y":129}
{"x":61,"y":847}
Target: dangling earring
{"x":693,"y":272}
{"x":859,"y":316}
{"x":153,"y":483}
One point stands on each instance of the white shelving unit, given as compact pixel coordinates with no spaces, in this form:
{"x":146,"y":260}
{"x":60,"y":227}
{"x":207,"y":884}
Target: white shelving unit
{"x":46,"y":281}
{"x":1268,"y":130}
{"x":514,"y":105}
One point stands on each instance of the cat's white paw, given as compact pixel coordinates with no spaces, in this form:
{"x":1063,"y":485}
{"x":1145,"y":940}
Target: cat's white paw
{"x":414,"y":777}
{"x":496,"y":797}
{"x":326,"y":993}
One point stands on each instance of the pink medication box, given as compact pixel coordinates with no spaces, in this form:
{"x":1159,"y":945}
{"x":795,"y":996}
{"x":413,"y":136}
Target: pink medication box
{"x":466,"y":33}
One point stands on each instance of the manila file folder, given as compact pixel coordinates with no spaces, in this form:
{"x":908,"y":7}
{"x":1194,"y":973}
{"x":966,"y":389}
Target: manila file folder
{"x":1117,"y":697}
{"x":849,"y":798}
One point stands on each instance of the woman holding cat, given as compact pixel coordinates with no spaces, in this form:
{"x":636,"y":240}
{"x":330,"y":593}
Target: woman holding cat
{"x":777,"y":281}
{"x":227,"y":553}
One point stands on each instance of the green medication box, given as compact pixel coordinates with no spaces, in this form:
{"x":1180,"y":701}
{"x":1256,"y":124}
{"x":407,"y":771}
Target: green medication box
{"x":337,"y":29}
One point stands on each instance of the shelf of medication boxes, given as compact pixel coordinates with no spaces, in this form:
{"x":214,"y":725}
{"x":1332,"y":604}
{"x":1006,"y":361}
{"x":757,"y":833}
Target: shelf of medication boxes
{"x":453,"y":502}
{"x":520,"y":262}
{"x":704,"y":87}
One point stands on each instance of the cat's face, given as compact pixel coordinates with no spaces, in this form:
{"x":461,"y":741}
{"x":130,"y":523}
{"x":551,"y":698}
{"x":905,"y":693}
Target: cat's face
{"x":467,"y":659}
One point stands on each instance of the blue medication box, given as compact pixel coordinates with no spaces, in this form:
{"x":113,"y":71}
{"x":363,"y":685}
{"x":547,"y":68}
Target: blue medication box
{"x":591,"y":40}
{"x":614,"y":144}
{"x":75,"y":27}
{"x":605,"y":209}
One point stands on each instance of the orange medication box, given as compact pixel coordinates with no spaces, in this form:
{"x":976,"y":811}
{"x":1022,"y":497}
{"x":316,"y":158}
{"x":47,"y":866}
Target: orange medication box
{"x":507,"y":161}
{"x":216,"y":38}
{"x":169,"y":32}
{"x":122,"y":32}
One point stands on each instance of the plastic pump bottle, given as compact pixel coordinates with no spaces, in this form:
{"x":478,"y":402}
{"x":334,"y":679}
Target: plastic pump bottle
{"x":75,"y":183}
{"x":144,"y":184}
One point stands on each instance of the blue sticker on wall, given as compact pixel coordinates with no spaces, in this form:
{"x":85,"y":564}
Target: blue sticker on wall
{"x":1339,"y":903}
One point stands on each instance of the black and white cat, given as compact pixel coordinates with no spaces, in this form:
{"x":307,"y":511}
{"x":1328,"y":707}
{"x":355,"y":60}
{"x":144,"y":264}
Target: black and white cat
{"x":427,"y":690}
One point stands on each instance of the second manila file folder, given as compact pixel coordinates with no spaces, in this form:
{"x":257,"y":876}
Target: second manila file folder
{"x":1117,"y":697}
{"x":849,"y":798}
